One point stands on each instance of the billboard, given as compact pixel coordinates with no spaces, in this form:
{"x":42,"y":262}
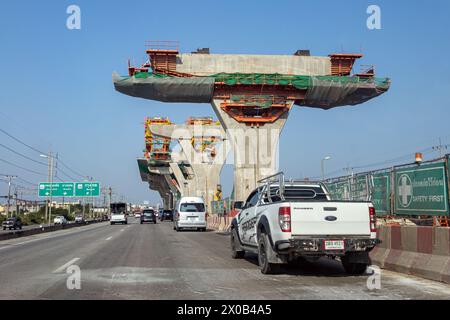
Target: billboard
{"x":421,"y":190}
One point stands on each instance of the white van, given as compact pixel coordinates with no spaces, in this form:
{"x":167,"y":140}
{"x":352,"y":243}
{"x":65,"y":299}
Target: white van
{"x":190,"y":214}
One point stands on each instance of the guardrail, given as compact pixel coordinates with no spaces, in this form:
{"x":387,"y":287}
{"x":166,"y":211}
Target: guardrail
{"x":47,"y":228}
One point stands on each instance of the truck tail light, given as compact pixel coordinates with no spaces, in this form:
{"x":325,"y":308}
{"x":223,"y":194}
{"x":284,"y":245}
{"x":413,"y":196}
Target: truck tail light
{"x":373,"y":219}
{"x":284,"y":218}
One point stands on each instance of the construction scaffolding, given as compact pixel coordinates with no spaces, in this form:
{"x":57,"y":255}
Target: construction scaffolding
{"x":156,"y":148}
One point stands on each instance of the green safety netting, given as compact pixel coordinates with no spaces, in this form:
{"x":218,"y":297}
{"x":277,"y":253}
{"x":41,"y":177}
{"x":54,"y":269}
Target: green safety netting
{"x":298,"y":81}
{"x":145,"y":75}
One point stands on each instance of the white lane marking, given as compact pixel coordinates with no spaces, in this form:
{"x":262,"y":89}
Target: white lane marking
{"x":122,"y":229}
{"x":65,"y":266}
{"x":109,"y":238}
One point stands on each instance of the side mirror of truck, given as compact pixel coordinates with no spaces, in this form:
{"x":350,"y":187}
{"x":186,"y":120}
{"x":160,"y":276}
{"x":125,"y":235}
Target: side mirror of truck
{"x":239,"y":205}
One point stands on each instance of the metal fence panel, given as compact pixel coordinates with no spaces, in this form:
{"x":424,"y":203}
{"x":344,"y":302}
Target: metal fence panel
{"x":339,"y":190}
{"x":381,"y":193}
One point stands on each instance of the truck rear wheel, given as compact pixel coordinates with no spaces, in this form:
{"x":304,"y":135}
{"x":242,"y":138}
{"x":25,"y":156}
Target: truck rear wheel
{"x":264,"y":265}
{"x":235,"y":254}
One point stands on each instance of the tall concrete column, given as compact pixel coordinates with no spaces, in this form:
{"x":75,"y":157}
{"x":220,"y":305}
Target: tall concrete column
{"x":206,"y":170}
{"x":158,"y":183}
{"x":186,"y":184}
{"x":168,"y":185}
{"x":255,"y":149}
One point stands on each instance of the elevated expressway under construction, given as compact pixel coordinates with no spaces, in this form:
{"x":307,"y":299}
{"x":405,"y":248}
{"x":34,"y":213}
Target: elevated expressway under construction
{"x":252,"y":96}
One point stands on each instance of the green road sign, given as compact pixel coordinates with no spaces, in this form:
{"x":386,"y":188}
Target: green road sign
{"x":59,"y":189}
{"x":421,"y":190}
{"x":87,"y":189}
{"x":381,"y":193}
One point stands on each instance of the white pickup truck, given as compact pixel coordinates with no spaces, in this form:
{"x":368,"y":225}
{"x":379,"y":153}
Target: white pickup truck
{"x":284,"y":221}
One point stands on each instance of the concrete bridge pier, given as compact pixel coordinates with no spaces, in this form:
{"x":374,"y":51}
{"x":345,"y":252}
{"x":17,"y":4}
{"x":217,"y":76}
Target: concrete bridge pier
{"x":255,"y":148}
{"x":206,"y":168}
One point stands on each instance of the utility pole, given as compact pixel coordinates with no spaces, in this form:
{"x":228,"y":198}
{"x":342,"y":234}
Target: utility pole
{"x":9,"y":177}
{"x":48,"y":207}
{"x":51,"y":188}
{"x":15,"y":202}
{"x":110,"y":201}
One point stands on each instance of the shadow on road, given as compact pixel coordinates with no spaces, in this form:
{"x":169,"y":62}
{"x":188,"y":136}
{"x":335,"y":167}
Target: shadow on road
{"x":324,"y":267}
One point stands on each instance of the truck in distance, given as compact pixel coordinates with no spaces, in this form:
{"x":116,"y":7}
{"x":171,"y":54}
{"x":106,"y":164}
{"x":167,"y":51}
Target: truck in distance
{"x":283,"y":221}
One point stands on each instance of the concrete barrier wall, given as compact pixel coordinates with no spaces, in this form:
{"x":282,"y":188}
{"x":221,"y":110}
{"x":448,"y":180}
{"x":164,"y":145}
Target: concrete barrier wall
{"x":415,"y":250}
{"x":44,"y":229}
{"x":218,"y":223}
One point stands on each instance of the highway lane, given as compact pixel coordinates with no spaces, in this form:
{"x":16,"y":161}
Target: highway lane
{"x":154,"y":262}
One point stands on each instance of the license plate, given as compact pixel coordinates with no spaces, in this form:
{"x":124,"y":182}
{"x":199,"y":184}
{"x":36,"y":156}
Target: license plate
{"x":334,"y":245}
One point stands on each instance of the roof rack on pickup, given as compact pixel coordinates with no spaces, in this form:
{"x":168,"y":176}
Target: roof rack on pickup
{"x":273,"y":188}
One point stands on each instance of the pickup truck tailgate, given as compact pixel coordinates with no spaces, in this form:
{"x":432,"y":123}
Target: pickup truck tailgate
{"x":330,"y":218}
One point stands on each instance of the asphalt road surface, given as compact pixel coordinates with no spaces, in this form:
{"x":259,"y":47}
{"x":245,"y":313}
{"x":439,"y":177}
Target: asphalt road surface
{"x":150,"y":261}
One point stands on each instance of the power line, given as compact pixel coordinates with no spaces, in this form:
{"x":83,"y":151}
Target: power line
{"x":26,"y":181}
{"x":70,"y":169}
{"x":21,"y":142}
{"x":40,"y":152}
{"x":65,"y":174}
{"x":26,"y":169}
{"x":22,"y":155}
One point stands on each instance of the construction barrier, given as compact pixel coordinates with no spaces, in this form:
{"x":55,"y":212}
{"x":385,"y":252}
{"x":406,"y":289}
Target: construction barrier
{"x":415,"y":250}
{"x":407,"y":190}
{"x":221,"y":223}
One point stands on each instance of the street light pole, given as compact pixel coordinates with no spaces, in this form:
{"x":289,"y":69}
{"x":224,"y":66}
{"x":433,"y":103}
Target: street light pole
{"x":322,"y":166}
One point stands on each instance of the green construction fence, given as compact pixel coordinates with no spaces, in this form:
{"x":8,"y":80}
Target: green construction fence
{"x":406,"y":190}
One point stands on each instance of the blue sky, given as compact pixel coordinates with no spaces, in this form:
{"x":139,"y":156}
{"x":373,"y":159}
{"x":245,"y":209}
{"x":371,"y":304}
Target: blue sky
{"x":56,"y":89}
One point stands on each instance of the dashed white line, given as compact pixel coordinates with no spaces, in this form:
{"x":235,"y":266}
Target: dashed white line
{"x":109,"y":238}
{"x":65,"y":266}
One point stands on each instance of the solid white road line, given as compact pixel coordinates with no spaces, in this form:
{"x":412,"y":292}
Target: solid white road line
{"x":65,"y":266}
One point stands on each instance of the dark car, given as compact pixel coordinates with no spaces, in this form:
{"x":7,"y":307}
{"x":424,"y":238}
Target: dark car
{"x":148,"y":215}
{"x":12,"y":223}
{"x":167,"y":215}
